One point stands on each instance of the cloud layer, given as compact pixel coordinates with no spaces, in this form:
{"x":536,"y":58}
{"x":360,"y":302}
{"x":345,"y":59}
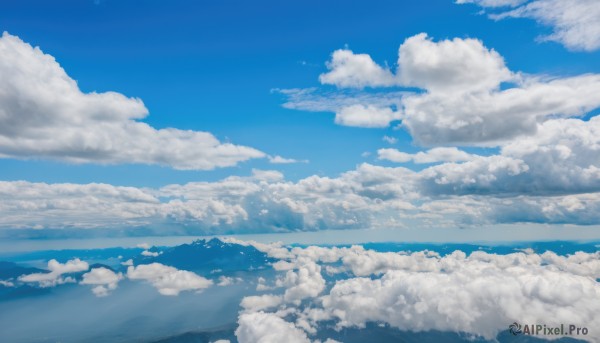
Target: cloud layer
{"x":477,"y":294}
{"x":530,"y":180}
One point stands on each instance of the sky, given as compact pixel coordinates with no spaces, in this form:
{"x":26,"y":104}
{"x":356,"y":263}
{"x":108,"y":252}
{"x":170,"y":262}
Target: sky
{"x":221,"y":117}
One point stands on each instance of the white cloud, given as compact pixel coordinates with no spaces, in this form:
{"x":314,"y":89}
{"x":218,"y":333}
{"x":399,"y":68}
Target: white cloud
{"x":463,"y":104}
{"x":434,"y":155}
{"x":57,"y":270}
{"x":260,"y":302}
{"x":347,"y":69}
{"x":127,"y":263}
{"x":315,"y":100}
{"x":282,"y":160}
{"x":461,"y":101}
{"x":366,"y":116}
{"x":6,"y":283}
{"x":168,"y":280}
{"x":228,"y":281}
{"x":44,"y":114}
{"x":104,"y":279}
{"x":150,"y":253}
{"x":500,"y":289}
{"x":306,"y":282}
{"x":537,"y":175}
{"x":450,"y":66}
{"x":424,"y":291}
{"x":478,"y":294}
{"x":575,"y":23}
{"x":390,"y":140}
{"x":261,"y":327}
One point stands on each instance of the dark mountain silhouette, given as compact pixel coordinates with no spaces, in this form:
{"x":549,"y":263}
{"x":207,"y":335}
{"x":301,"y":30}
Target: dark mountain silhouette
{"x":209,"y":255}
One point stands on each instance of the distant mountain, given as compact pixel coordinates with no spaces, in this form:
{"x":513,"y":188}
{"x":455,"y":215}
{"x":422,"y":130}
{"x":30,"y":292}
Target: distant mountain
{"x":209,"y":255}
{"x":10,"y":270}
{"x":100,"y":265}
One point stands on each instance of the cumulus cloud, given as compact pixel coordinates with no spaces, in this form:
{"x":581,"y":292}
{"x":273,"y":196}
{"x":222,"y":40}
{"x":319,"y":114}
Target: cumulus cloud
{"x":462,"y":100}
{"x":430,"y":156}
{"x":366,"y":116}
{"x":150,"y":253}
{"x":57,"y":270}
{"x":104,"y":280}
{"x":500,"y":288}
{"x":347,"y":69}
{"x":168,"y":280}
{"x":477,"y":294}
{"x":552,"y":176}
{"x":261,"y":327}
{"x":575,"y":24}
{"x":44,"y":114}
{"x":450,"y":66}
{"x":261,"y":302}
{"x":228,"y":281}
{"x":305,"y":282}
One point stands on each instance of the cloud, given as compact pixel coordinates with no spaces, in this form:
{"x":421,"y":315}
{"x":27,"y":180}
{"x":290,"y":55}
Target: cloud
{"x":228,"y":281}
{"x":306,"y":282}
{"x":44,"y":114}
{"x":315,"y":100}
{"x":464,"y":104}
{"x":430,"y":156}
{"x":366,"y":116}
{"x":532,"y":179}
{"x":104,"y":279}
{"x":281,"y":160}
{"x":477,"y":294}
{"x":467,"y":96}
{"x":57,"y":270}
{"x":150,"y":253}
{"x":261,"y":327}
{"x":168,"y":280}
{"x":347,"y":69}
{"x":390,"y":140}
{"x":450,"y":66}
{"x":500,"y":289}
{"x":575,"y":24}
{"x":260,"y":302}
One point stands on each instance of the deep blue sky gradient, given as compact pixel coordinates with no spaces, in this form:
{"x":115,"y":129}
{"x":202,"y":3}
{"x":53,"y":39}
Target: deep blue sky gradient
{"x":211,"y":65}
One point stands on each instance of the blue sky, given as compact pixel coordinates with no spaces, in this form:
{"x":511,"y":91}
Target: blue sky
{"x":220,"y":67}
